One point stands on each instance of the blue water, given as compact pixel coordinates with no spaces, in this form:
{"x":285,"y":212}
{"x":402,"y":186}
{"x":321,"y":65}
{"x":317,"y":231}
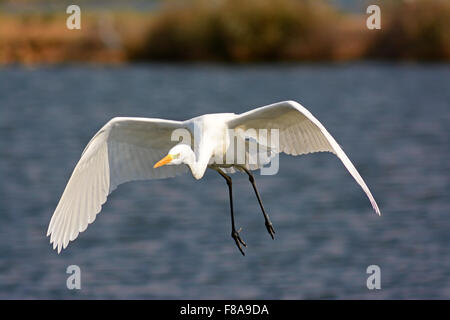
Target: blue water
{"x":171,"y":238}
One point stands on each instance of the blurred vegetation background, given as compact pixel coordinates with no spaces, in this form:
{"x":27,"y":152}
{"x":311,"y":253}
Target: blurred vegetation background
{"x":33,"y":31}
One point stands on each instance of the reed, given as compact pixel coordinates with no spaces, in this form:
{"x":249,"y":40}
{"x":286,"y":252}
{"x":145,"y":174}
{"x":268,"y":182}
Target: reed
{"x":237,"y":31}
{"x":414,"y":30}
{"x":241,"y":31}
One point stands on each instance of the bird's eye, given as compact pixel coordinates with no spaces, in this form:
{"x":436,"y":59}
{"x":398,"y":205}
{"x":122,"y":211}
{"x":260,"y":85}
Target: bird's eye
{"x":176,"y":156}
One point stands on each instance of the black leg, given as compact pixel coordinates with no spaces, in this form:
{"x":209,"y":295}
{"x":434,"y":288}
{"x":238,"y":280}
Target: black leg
{"x":234,"y":233}
{"x":269,"y":225}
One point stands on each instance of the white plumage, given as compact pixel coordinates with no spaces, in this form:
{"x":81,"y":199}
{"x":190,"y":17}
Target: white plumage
{"x":126,"y":149}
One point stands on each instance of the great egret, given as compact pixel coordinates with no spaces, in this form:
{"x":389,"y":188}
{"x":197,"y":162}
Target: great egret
{"x":127,"y":149}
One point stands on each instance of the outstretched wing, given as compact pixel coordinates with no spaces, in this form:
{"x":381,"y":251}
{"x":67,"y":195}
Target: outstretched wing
{"x":299,"y":133}
{"x":125,"y":149}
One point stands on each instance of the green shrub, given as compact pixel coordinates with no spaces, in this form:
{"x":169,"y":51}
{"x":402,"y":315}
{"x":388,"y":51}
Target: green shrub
{"x":240,"y":30}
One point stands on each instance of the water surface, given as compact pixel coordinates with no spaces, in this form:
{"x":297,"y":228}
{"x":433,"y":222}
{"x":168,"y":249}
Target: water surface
{"x":171,"y":238}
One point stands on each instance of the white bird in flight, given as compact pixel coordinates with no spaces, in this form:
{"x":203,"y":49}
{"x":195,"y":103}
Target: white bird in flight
{"x":127,"y":149}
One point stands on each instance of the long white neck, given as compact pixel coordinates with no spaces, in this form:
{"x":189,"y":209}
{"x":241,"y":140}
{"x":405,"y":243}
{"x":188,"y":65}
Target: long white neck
{"x":198,"y":167}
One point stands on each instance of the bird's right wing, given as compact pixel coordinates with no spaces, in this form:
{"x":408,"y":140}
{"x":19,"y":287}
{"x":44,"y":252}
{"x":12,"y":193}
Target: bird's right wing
{"x":125,"y":149}
{"x":299,"y":133}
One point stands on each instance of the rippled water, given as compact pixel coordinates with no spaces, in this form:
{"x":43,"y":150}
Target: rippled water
{"x":171,"y":238}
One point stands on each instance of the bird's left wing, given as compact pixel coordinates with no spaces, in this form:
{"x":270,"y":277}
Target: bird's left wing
{"x":125,"y":149}
{"x":299,"y":133}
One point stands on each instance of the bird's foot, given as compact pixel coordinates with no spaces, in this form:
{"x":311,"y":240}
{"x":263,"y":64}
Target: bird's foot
{"x":238,"y":240}
{"x":269,"y":228}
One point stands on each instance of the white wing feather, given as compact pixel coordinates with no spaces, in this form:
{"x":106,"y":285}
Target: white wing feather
{"x":299,"y":133}
{"x":125,"y":149}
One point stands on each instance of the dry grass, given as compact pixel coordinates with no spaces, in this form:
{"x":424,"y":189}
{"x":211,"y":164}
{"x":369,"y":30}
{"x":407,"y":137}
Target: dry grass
{"x":235,"y":30}
{"x":31,"y":39}
{"x":414,"y":30}
{"x":267,"y":30}
{"x":232,"y":30}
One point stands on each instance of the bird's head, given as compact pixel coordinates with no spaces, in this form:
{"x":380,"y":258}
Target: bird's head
{"x":181,"y":153}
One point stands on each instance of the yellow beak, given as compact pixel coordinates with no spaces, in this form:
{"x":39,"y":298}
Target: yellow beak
{"x":167,"y":159}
